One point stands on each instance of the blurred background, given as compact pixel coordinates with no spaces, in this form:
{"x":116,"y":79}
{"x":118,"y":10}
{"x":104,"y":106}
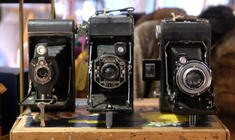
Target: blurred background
{"x":80,"y":10}
{"x":223,"y":44}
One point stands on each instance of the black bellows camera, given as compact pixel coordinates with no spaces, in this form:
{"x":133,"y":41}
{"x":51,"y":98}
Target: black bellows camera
{"x":111,"y":63}
{"x":184,"y":69}
{"x":51,"y":66}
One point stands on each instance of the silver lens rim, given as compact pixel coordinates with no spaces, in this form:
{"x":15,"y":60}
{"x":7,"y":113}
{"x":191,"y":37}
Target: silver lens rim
{"x":108,"y":58}
{"x":191,"y":66}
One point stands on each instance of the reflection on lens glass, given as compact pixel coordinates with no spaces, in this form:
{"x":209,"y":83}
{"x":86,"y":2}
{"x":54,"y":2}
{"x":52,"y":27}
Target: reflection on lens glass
{"x":194,"y":79}
{"x":42,"y":72}
{"x":109,"y":71}
{"x":120,"y":49}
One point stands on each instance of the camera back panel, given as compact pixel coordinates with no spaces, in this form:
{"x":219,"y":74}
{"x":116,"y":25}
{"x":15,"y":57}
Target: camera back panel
{"x":110,"y":63}
{"x":58,"y":38}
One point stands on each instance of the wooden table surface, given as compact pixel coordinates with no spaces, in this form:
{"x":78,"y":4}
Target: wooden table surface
{"x":214,"y":130}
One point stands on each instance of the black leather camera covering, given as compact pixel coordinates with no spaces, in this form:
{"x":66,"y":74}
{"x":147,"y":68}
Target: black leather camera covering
{"x":58,"y":35}
{"x":191,"y":38}
{"x":111,"y":25}
{"x":106,"y":33}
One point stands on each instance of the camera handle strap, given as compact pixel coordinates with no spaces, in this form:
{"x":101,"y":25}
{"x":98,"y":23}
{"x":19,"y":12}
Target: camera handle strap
{"x":129,"y":10}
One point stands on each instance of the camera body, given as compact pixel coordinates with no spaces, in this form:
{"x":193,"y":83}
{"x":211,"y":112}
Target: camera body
{"x":110,"y":63}
{"x":185,"y":75}
{"x":51,"y":64}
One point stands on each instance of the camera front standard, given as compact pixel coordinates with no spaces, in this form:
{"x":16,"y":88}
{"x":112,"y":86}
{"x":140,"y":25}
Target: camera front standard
{"x":43,"y":72}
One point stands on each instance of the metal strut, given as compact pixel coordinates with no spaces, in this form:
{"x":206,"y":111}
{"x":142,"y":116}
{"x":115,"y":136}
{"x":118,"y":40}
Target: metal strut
{"x":109,"y":119}
{"x":21,"y":44}
{"x":41,"y":106}
{"x":192,"y":120}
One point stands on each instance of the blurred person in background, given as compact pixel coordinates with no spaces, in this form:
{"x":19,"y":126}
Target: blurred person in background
{"x":221,"y":19}
{"x":9,"y":30}
{"x":222,"y":23}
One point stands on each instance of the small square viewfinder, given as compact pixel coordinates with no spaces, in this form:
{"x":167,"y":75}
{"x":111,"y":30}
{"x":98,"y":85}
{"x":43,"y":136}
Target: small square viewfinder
{"x":151,"y":69}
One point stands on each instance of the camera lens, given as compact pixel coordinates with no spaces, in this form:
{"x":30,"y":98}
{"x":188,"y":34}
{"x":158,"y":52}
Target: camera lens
{"x":42,"y":72}
{"x":194,"y":79}
{"x":110,"y":71}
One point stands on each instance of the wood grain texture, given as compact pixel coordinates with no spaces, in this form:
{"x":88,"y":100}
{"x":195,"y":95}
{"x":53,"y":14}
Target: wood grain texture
{"x":215,"y":131}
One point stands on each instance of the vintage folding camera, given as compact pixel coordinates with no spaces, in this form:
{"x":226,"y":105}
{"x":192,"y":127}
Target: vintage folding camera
{"x":184,"y":70}
{"x":111,"y":63}
{"x":51,"y":64}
